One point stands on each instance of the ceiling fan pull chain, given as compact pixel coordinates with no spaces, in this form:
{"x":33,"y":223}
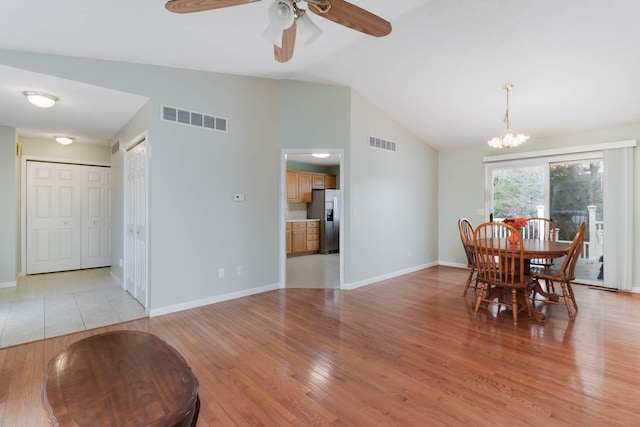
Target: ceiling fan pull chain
{"x":322,"y":6}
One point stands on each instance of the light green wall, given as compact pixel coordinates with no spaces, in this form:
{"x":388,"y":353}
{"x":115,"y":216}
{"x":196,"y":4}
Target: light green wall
{"x":462,"y":187}
{"x":391,"y":200}
{"x":9,"y":211}
{"x":195,"y":226}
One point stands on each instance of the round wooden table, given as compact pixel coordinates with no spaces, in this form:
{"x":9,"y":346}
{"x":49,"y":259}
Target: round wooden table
{"x":534,"y":249}
{"x":122,"y":378}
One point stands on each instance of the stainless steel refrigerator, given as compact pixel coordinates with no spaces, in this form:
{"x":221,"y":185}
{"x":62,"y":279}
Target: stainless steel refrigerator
{"x":324,"y":206}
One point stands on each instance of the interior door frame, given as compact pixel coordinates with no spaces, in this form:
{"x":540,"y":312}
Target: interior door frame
{"x":23,"y":197}
{"x":283,"y":210}
{"x":143,"y":137}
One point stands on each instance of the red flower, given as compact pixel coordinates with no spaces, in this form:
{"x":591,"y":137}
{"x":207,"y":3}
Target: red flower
{"x":518,"y":223}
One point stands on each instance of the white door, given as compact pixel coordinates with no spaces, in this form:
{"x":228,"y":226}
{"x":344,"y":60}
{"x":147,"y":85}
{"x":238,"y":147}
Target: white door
{"x":54,"y":217}
{"x":136,"y":279}
{"x":96,"y":218}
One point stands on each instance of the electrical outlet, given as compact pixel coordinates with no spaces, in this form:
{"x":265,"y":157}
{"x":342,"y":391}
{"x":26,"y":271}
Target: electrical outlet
{"x":240,"y":270}
{"x":220,"y":273}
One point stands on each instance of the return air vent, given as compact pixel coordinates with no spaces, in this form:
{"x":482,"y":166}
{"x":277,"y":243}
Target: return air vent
{"x":115,"y":147}
{"x":192,"y":118}
{"x":382,"y":144}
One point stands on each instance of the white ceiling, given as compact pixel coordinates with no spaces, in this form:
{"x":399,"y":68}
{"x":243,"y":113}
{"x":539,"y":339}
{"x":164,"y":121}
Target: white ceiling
{"x":574,"y":63}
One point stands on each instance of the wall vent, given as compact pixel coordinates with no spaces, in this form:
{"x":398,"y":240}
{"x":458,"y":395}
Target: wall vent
{"x":192,"y":118}
{"x":382,"y":144}
{"x":115,"y":147}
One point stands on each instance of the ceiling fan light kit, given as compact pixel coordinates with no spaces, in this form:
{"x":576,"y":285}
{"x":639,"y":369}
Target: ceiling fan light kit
{"x":308,"y":30}
{"x":285,"y":17}
{"x":281,"y":17}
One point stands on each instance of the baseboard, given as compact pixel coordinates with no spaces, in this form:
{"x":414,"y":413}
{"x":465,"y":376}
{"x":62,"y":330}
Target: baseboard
{"x":9,"y":284}
{"x":116,"y":278}
{"x":349,"y":286}
{"x":212,"y":300}
{"x":452,"y":264}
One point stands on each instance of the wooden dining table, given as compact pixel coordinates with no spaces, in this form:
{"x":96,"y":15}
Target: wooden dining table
{"x":539,"y":249}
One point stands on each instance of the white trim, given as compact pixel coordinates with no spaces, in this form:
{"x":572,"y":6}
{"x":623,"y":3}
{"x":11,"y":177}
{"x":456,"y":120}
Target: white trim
{"x":142,"y":137}
{"x":212,"y":300}
{"x":23,"y":196}
{"x":372,"y":280}
{"x":116,"y":279}
{"x":8,"y":285}
{"x":283,"y":211}
{"x":560,"y":151}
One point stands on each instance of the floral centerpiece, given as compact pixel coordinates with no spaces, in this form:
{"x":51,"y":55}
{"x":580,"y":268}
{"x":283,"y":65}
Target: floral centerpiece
{"x":518,"y":223}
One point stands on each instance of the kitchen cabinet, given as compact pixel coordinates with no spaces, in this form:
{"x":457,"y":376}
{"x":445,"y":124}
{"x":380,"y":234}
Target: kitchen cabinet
{"x":318,"y":181}
{"x":304,"y":186}
{"x":292,"y":186}
{"x":330,"y":182}
{"x":298,"y":237}
{"x":313,"y":236}
{"x":300,"y":184}
{"x":303,"y":237}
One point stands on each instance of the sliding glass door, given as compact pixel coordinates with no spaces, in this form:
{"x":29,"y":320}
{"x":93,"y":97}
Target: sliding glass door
{"x":568,"y":190}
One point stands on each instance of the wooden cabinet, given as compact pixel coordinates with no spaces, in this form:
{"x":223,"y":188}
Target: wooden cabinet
{"x":300,"y":184}
{"x":292,"y":186}
{"x":313,"y":236}
{"x":330,"y":182}
{"x":298,"y":237}
{"x":318,"y":181}
{"x":304,"y":186}
{"x":303,"y":237}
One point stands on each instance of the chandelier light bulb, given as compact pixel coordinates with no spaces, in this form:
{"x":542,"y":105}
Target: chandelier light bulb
{"x":508,"y":138}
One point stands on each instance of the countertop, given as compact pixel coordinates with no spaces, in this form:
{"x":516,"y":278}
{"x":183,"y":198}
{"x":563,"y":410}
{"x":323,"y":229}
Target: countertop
{"x":302,"y":220}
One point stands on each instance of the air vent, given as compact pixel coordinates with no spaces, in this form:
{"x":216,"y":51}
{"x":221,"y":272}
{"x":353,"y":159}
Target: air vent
{"x":115,"y":147}
{"x":192,"y":118}
{"x":382,"y":144}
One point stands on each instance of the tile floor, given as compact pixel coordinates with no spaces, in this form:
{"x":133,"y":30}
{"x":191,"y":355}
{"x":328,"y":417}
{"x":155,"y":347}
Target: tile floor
{"x":48,"y":305}
{"x":314,"y":271}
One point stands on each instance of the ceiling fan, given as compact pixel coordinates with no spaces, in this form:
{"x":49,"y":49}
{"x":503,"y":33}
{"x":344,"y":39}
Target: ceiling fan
{"x":285,"y":17}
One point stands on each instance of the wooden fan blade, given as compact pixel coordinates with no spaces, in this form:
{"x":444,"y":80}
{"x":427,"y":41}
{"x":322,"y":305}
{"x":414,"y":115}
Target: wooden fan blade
{"x":350,"y":15}
{"x":188,"y":6}
{"x":285,"y":53}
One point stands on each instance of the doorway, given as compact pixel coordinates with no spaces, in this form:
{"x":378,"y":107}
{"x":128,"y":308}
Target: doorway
{"x":312,"y":269}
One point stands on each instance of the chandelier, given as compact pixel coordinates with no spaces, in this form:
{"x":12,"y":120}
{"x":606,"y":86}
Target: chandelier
{"x":508,"y":138}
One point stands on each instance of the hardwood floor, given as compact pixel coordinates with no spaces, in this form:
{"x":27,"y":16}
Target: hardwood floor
{"x":405,"y":351}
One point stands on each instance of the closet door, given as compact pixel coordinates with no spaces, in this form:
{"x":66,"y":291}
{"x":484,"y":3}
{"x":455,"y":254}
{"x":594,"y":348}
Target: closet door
{"x":96,"y":217}
{"x":54,"y":217}
{"x":136,"y":277}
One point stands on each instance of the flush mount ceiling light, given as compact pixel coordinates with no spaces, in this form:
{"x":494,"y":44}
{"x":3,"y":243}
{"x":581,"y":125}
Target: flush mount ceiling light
{"x":40,"y":99}
{"x":508,"y":138}
{"x":320,"y":155}
{"x":65,"y":140}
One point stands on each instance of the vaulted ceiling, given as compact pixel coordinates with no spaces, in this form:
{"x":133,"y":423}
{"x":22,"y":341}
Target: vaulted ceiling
{"x":574,"y":64}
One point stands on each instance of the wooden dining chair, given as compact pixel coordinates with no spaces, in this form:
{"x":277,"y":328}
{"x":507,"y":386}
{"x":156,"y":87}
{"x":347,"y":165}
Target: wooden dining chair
{"x":466,"y":236}
{"x":500,"y":269}
{"x":540,"y":229}
{"x":565,"y":274}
